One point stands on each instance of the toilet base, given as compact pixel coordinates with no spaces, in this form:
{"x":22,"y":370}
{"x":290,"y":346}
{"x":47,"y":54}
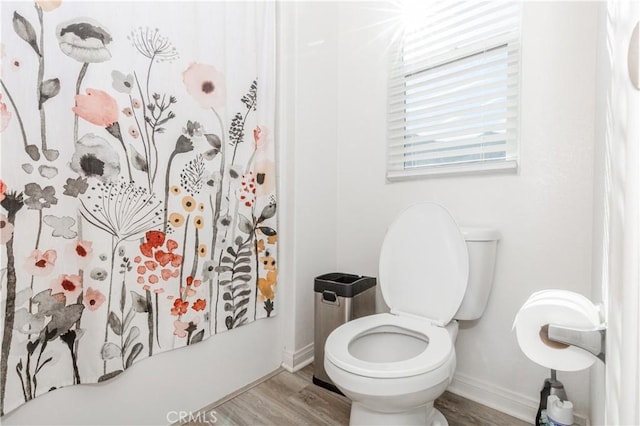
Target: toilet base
{"x":420,"y":416}
{"x":438,"y":419}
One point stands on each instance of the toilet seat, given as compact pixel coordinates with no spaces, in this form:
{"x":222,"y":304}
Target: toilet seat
{"x":424,"y":264}
{"x":438,"y":351}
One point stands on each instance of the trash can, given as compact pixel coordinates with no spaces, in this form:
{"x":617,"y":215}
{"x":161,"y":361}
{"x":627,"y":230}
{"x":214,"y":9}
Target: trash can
{"x":339,"y":298}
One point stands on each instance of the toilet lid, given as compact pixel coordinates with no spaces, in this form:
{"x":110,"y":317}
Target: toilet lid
{"x":424,"y":264}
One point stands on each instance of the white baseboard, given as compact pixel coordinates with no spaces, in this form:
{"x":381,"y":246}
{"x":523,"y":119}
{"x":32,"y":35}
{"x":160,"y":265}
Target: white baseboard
{"x":501,"y":399}
{"x":294,"y":361}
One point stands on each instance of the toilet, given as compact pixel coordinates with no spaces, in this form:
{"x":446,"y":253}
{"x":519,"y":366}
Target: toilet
{"x":394,"y":365}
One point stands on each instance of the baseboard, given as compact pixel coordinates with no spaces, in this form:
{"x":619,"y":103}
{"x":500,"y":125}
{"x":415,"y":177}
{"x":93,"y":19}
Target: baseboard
{"x":294,"y":361}
{"x":501,"y":399}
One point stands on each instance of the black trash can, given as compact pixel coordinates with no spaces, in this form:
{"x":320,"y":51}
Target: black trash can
{"x":339,"y":298}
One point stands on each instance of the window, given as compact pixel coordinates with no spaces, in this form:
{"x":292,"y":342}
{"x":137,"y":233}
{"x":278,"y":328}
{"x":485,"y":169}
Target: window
{"x":454,"y":91}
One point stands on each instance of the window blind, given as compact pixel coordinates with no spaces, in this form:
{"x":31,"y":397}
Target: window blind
{"x":453,"y":98}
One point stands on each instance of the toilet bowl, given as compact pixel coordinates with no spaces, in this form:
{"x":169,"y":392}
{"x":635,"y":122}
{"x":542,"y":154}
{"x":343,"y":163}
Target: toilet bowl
{"x":389,"y":365}
{"x":394,"y":365}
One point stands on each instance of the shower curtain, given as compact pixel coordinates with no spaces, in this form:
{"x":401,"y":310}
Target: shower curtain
{"x":619,"y":280}
{"x":137,"y":183}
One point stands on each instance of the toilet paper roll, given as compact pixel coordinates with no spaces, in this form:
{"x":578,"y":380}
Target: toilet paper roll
{"x":554,"y":294}
{"x":590,"y":311}
{"x":531,"y":323}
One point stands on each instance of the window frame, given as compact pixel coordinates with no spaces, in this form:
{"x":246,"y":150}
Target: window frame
{"x":508,"y":164}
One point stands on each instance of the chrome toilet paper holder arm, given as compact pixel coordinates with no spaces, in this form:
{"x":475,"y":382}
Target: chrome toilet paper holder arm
{"x":592,"y":340}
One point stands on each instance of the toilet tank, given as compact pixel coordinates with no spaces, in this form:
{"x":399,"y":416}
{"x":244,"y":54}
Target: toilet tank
{"x":481,"y":244}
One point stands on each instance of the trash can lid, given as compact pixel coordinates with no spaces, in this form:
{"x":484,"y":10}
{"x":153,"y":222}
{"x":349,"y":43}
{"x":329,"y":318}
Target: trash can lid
{"x":344,"y":285}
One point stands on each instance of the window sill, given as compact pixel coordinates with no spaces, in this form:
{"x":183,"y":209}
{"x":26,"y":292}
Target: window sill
{"x":509,"y":166}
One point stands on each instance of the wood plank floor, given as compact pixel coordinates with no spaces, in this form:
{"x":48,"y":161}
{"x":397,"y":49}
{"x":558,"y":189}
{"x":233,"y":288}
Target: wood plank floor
{"x":292,"y":399}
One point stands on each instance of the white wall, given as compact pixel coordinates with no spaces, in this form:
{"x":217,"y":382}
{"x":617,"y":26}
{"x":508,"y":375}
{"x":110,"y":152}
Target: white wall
{"x":308,"y":122}
{"x":544,"y":213}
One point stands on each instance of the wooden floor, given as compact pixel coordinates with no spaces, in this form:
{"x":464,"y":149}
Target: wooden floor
{"x":292,"y":399}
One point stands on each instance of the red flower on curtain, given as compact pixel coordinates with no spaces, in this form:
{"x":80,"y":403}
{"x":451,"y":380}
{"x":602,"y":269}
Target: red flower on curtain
{"x":179,"y":307}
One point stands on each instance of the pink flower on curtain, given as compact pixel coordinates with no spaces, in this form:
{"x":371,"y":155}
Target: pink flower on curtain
{"x":97,"y":107}
{"x":93,"y":299}
{"x":261,"y":137}
{"x":41,"y":264}
{"x":69,"y":285}
{"x":81,"y":251}
{"x":180,"y":328}
{"x":133,"y":131}
{"x":101,"y":109}
{"x":5,"y":115}
{"x":205,"y":84}
{"x":184,"y":329}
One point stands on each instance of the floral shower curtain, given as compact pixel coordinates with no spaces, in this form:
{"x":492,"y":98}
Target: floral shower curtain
{"x":137,"y":183}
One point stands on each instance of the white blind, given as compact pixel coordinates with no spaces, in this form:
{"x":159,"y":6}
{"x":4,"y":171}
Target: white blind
{"x":454,"y":90}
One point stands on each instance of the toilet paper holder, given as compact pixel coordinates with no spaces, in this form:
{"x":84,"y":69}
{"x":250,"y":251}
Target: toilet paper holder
{"x":592,"y":340}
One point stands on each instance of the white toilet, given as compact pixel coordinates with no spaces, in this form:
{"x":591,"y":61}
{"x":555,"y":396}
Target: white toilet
{"x":394,"y":365}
